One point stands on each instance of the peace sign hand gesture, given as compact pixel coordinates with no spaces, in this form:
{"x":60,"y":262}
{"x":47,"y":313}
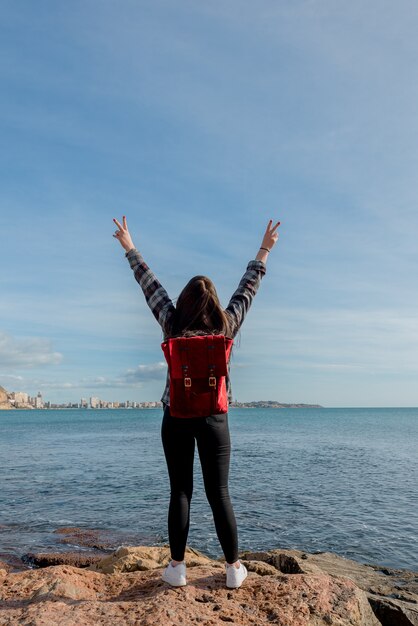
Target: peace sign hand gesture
{"x":270,"y":236}
{"x":123,"y":235}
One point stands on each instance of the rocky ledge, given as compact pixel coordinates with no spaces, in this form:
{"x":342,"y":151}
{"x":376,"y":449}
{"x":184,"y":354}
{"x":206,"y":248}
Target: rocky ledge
{"x":284,"y":587}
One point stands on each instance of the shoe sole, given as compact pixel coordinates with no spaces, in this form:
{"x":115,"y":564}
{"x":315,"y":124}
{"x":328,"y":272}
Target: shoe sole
{"x":173,"y":584}
{"x":169,"y":582}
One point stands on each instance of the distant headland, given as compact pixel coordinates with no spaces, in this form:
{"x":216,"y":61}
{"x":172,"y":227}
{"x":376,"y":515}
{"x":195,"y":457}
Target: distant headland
{"x":272,"y":404}
{"x":4,"y":399}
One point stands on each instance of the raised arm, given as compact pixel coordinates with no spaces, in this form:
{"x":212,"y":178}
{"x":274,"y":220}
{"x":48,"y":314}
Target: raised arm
{"x":156,"y":296}
{"x":248,"y":286}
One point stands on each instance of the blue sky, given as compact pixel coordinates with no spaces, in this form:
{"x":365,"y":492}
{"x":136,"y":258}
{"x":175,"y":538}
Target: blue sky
{"x":200,"y":122}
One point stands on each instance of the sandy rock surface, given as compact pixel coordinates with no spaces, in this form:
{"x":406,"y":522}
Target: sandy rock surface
{"x":115,"y":593}
{"x":392,"y":593}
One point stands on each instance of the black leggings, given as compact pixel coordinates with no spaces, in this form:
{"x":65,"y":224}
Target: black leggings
{"x":214,"y":445}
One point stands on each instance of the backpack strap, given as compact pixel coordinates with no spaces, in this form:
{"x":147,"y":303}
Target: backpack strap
{"x":184,"y":358}
{"x":210,"y":355}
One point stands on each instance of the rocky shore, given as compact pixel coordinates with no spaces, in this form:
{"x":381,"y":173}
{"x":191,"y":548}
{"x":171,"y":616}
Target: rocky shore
{"x":124,"y":586}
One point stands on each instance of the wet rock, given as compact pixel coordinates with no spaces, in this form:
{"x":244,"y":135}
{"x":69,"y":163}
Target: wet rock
{"x":46,"y":559}
{"x":86,"y":537}
{"x":11,"y":562}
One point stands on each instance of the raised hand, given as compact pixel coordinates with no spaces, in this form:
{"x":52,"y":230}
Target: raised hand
{"x":270,"y":236}
{"x":123,"y":235}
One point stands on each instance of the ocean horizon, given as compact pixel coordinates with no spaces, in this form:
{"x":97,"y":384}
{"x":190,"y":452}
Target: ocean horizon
{"x":341,"y":480}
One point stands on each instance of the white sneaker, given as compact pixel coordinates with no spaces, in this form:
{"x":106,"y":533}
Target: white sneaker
{"x":235,"y":575}
{"x":175,"y":576}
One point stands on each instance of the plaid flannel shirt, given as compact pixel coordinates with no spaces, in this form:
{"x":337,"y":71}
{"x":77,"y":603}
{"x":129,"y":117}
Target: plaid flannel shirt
{"x":162,"y":307}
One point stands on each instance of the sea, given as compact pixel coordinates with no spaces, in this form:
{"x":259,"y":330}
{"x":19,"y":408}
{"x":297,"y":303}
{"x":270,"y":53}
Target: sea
{"x":343,"y":480}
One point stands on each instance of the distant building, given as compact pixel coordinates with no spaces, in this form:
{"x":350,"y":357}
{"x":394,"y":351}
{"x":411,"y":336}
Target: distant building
{"x":94,"y":402}
{"x":38,"y":401}
{"x":19,"y":397}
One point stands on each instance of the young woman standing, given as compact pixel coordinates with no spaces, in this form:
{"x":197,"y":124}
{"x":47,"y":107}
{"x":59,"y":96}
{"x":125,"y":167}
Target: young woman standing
{"x":198,"y":311}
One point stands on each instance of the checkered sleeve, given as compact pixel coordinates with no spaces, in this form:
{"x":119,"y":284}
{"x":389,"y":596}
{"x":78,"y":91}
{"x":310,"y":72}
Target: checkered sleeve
{"x":156,"y":296}
{"x":242,"y":298}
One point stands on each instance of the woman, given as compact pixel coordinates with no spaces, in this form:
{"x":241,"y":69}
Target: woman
{"x":198,"y":311}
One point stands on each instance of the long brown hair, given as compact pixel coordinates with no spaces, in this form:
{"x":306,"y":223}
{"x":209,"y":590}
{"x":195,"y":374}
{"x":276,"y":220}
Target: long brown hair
{"x":198,"y":310}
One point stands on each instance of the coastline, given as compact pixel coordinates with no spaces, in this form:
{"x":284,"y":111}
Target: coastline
{"x":21,"y":400}
{"x":284,"y":586}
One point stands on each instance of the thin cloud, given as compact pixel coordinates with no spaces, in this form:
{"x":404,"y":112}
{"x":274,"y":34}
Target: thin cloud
{"x":28,"y":352}
{"x":377,"y":340}
{"x":132,"y":378}
{"x":144,"y":373}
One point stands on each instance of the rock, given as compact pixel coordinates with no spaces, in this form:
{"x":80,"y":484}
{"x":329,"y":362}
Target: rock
{"x":142,"y":558}
{"x":63,"y":594}
{"x":46,"y":559}
{"x":393,"y":612}
{"x":260,"y":567}
{"x":4,"y":400}
{"x":87,"y":537}
{"x":392,"y":593}
{"x":11,"y":562}
{"x":284,"y":587}
{"x":61,"y":587}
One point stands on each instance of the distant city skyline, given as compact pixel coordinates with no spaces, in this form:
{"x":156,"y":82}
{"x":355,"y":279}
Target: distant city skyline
{"x":22,"y":400}
{"x":200,"y":122}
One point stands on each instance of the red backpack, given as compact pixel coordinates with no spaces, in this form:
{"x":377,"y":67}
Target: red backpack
{"x":198,"y":366}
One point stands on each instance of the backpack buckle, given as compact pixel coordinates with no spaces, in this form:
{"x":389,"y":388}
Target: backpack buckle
{"x":187,"y":382}
{"x":212,"y":381}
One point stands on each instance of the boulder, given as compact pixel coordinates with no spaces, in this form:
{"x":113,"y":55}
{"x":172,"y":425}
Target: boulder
{"x":142,"y":558}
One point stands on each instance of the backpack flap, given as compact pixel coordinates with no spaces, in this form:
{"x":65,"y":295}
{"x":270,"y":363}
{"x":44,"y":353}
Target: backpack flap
{"x":197,"y":353}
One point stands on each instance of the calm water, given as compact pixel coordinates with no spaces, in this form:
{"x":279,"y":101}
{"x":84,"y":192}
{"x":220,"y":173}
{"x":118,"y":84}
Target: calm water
{"x":341,"y":480}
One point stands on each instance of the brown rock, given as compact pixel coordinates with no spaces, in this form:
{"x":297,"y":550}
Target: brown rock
{"x":141,"y":558}
{"x":260,"y":567}
{"x":11,"y":562}
{"x":61,"y":587}
{"x":72,"y":596}
{"x":392,"y":593}
{"x":87,"y":537}
{"x":284,"y":587}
